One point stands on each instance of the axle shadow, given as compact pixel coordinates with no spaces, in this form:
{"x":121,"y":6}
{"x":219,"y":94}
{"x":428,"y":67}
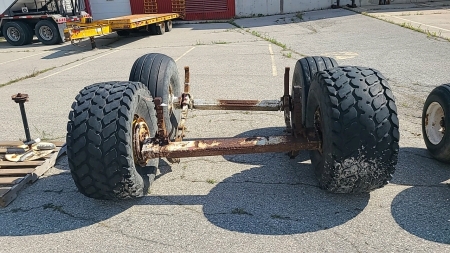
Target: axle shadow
{"x":278,"y":196}
{"x":423,"y":209}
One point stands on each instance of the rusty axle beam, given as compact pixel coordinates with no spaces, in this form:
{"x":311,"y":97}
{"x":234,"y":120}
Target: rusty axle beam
{"x":229,"y":146}
{"x":244,"y":105}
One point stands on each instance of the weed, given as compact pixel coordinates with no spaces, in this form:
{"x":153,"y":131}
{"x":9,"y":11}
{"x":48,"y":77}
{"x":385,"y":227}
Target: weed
{"x":299,"y":15}
{"x":56,"y":208}
{"x":419,"y":13}
{"x":240,"y":211}
{"x":199,"y":43}
{"x":287,"y":55}
{"x":45,"y":136}
{"x":211,"y":181}
{"x":405,"y":14}
{"x":219,"y":42}
{"x":33,"y":74}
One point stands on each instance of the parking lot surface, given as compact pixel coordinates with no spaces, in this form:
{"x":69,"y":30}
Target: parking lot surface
{"x":239,"y":203}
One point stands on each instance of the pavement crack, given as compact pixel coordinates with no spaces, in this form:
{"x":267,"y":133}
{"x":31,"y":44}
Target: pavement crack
{"x":179,"y":204}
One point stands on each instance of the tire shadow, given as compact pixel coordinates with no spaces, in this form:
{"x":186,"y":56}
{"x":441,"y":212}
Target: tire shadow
{"x":423,"y":210}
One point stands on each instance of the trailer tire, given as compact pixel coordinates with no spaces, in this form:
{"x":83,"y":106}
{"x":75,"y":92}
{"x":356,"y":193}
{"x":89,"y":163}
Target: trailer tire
{"x":47,"y":32}
{"x":17,"y":33}
{"x":159,"y":73}
{"x":304,"y":72}
{"x":168,"y":25}
{"x":354,"y":114}
{"x":100,"y":140}
{"x":123,"y":33}
{"x":435,"y":119}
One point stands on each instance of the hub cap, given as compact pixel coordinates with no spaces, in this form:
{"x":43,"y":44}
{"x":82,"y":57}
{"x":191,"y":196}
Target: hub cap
{"x":435,"y":123}
{"x":13,"y":33}
{"x":45,"y":32}
{"x":141,"y":132}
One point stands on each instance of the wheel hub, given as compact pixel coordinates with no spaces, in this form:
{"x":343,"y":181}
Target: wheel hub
{"x":13,"y":33}
{"x":45,"y":32}
{"x":141,"y":132}
{"x":435,"y":123}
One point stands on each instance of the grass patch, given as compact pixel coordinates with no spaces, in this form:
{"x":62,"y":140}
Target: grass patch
{"x":220,"y":42}
{"x":269,"y":39}
{"x":33,"y":74}
{"x":211,"y":181}
{"x":299,"y":15}
{"x":287,"y":55}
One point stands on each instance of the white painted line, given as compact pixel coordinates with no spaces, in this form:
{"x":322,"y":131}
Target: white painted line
{"x":74,"y":66}
{"x":22,"y":58}
{"x":421,"y":24}
{"x":272,"y":56}
{"x":184,"y":54}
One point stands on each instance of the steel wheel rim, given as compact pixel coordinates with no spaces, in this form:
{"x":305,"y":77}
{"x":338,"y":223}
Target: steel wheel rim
{"x":435,"y":123}
{"x":13,"y":33}
{"x":45,"y":32}
{"x":141,"y":133}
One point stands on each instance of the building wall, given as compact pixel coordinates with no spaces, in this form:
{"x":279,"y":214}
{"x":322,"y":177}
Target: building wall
{"x":270,"y":7}
{"x":102,"y":9}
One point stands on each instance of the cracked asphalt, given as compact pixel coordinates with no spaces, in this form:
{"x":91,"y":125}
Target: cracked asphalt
{"x":239,"y":203}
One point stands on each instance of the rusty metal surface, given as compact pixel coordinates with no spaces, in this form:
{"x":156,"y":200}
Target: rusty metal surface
{"x":20,"y":98}
{"x":286,"y":99}
{"x":296,"y":112}
{"x":246,"y":105}
{"x":229,"y":146}
{"x":162,"y":134}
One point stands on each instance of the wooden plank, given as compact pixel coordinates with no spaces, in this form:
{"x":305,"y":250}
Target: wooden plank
{"x":4,"y":164}
{"x":13,"y":172}
{"x":40,"y":170}
{"x":4,"y":190}
{"x":10,"y":180}
{"x":12,"y":193}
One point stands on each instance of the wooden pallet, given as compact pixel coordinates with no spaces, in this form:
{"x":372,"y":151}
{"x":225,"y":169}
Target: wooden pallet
{"x":14,"y":176}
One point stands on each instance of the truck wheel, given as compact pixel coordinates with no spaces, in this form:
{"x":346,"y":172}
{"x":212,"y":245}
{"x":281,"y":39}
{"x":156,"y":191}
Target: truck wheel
{"x":106,"y":127}
{"x":17,"y":33}
{"x":168,"y":25}
{"x":160,"y":74}
{"x":354,"y":114}
{"x":157,"y":29}
{"x":47,"y":32}
{"x":435,"y":119}
{"x":304,"y":72}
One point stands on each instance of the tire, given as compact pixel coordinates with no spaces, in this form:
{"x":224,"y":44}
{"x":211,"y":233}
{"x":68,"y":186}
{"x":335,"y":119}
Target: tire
{"x":435,"y":119}
{"x":354,"y":113}
{"x":304,"y":71}
{"x":17,"y":33}
{"x":159,"y":73}
{"x":157,"y":29}
{"x":47,"y":32}
{"x":100,"y":140}
{"x":168,"y":25}
{"x":123,"y":33}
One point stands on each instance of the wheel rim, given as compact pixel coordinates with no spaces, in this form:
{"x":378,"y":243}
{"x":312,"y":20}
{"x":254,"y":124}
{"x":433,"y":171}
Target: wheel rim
{"x":435,"y":123}
{"x":45,"y":32}
{"x":13,"y":33}
{"x":141,"y":133}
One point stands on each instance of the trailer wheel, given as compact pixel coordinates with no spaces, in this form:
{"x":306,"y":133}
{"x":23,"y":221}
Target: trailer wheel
{"x":123,"y":33}
{"x":17,"y":33}
{"x":106,"y":127}
{"x":435,"y":119}
{"x":157,"y":29}
{"x":304,"y":72}
{"x":47,"y":32}
{"x":168,"y":24}
{"x":159,"y":73}
{"x":355,"y":116}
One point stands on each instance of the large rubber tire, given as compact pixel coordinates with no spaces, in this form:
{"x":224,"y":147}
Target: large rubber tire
{"x":157,"y":29}
{"x":435,"y":119}
{"x":47,"y":32}
{"x":159,"y":73}
{"x":99,"y":139}
{"x":304,"y":71}
{"x":17,"y":33}
{"x":123,"y":33}
{"x":168,"y":25}
{"x":354,"y":112}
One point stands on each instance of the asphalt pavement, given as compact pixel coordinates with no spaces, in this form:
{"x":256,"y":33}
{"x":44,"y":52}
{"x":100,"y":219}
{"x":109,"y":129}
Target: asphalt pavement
{"x":240,"y":203}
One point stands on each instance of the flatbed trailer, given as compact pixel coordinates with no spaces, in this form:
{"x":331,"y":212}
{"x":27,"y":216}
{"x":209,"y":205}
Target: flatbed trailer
{"x":156,"y":24}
